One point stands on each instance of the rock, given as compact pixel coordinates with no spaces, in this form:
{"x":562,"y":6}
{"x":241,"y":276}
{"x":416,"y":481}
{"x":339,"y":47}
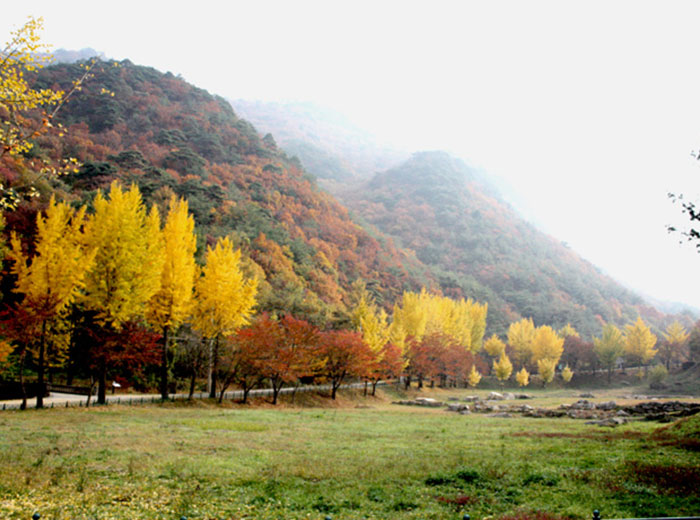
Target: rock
{"x":453,"y":398}
{"x":582,"y":404}
{"x":428,"y":401}
{"x":610,"y":421}
{"x":587,"y":395}
{"x":622,"y":413}
{"x":421,"y":401}
{"x":504,"y":415}
{"x":471,"y":398}
{"x":524,"y":408}
{"x":495,"y":396}
{"x":508,"y":396}
{"x":464,"y":412}
{"x":608,"y":405}
{"x":457,"y":407}
{"x":523,"y":396}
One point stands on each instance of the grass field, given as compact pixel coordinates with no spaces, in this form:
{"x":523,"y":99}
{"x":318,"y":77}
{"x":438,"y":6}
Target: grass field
{"x":363,"y":458}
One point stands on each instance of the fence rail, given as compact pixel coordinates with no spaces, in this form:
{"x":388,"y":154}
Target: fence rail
{"x":134,"y":399}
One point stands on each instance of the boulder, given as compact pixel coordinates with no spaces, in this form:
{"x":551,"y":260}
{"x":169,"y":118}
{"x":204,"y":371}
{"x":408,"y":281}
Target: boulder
{"x":500,"y":414}
{"x":508,"y":396}
{"x":457,"y":407}
{"x":587,"y":395}
{"x":428,"y":401}
{"x":582,"y":404}
{"x":608,"y":405}
{"x":523,"y":396}
{"x":471,"y":398}
{"x":495,"y":396}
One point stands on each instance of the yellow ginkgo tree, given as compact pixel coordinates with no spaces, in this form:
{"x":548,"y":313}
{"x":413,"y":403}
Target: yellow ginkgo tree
{"x":639,"y":343}
{"x":52,"y":278}
{"x":675,"y":338}
{"x":171,"y":304}
{"x":128,"y":263}
{"x":224,"y":299}
{"x":521,"y":335}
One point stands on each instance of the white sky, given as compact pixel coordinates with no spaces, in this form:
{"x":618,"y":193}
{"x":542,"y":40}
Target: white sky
{"x":588,"y":110}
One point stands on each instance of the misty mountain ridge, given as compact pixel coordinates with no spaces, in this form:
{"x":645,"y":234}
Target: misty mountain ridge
{"x":456,"y":221}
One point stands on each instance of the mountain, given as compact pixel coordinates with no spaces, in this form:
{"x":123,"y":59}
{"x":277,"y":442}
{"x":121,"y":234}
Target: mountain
{"x":329,"y":146}
{"x":454,"y":220}
{"x":429,"y":220}
{"x":141,"y":126}
{"x":478,"y":246}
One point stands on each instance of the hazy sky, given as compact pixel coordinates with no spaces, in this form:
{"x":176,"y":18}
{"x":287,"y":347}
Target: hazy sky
{"x":588,"y":110}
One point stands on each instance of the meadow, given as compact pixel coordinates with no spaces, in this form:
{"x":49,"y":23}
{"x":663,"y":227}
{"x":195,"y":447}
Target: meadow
{"x":360,"y":458}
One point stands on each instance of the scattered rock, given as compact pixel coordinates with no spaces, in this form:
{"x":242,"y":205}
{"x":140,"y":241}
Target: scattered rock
{"x":582,"y":404}
{"x":471,"y":398}
{"x":453,"y":398}
{"x":428,"y":401}
{"x":508,"y":396}
{"x":464,"y":412}
{"x":608,"y":405}
{"x":495,"y":396}
{"x":610,"y":421}
{"x":457,"y":407}
{"x":587,"y":395}
{"x":421,"y":401}
{"x":523,"y":396}
{"x":500,"y":414}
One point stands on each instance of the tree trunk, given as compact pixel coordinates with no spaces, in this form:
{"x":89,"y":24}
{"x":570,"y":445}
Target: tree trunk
{"x":334,"y":389}
{"x":374,"y":386}
{"x":23,"y":406}
{"x":164,"y":366}
{"x":193,"y":380}
{"x":365,"y":391}
{"x":275,"y":391}
{"x":214,"y":366}
{"x":41,"y":386}
{"x":102,"y":383}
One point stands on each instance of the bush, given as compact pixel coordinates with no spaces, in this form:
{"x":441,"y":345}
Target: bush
{"x":657,"y":374}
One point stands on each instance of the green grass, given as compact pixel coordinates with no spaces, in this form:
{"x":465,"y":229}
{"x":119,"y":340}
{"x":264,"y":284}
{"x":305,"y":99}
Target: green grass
{"x":389,"y":462}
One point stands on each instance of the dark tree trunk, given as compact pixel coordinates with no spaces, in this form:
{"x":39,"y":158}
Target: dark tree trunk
{"x":102,"y":382}
{"x":374,"y":386}
{"x":275,"y":391}
{"x":214,"y":368}
{"x":23,"y":406}
{"x":41,"y":385}
{"x":164,"y":366}
{"x":193,"y":380}
{"x":334,"y":389}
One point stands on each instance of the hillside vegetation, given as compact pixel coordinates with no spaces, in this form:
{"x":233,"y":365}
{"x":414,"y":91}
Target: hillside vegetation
{"x":167,"y":136}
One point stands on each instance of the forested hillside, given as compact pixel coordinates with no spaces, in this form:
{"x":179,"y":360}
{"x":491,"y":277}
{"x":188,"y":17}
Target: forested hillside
{"x":479,"y":246}
{"x":141,"y":126}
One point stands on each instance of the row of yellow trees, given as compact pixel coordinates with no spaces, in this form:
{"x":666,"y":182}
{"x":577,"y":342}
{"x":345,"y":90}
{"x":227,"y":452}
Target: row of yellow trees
{"x":428,"y":328}
{"x":122,"y":264}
